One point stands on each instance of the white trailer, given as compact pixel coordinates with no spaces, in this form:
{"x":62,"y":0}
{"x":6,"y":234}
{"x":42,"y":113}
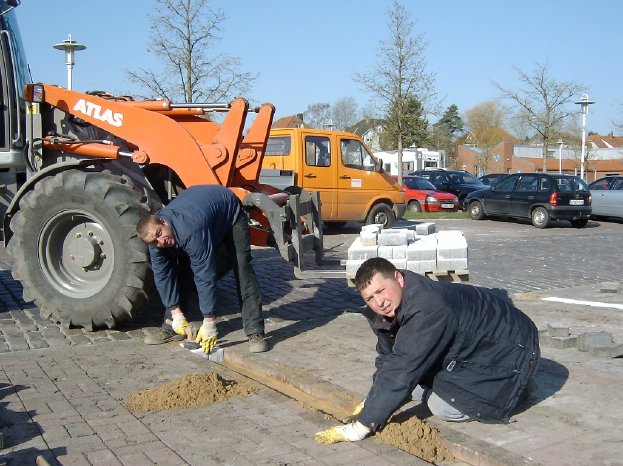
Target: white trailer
{"x":413,"y":158}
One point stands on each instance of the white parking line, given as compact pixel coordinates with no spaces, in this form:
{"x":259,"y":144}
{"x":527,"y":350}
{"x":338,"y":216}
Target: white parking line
{"x":583,"y":303}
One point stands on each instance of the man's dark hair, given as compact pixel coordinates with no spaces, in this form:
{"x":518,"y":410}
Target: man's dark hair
{"x":145,"y":223}
{"x":370,"y":268}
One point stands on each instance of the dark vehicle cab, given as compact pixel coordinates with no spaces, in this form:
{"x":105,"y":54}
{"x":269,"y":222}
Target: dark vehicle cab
{"x":541,"y":197}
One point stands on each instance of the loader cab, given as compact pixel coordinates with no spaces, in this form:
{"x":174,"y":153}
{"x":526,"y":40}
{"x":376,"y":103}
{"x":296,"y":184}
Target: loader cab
{"x":13,"y":77}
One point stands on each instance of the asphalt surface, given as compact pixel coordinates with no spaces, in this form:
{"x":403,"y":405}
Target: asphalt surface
{"x":322,"y":353}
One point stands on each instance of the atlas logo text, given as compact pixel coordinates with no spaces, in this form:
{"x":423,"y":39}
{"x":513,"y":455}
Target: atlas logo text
{"x":96,"y":111}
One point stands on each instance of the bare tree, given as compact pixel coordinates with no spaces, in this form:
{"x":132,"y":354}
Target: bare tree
{"x":183,"y":34}
{"x":485,"y":122}
{"x":317,"y":115}
{"x":401,"y":73}
{"x":542,"y":102}
{"x":344,"y":113}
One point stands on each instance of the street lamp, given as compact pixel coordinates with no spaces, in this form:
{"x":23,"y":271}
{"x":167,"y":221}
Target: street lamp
{"x":560,"y":143}
{"x":584,"y":102}
{"x":69,"y":46}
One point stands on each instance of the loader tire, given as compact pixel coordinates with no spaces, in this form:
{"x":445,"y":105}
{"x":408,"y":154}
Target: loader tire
{"x":76,"y":252}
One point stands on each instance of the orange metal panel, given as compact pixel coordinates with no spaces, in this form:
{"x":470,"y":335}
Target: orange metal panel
{"x":160,"y":137}
{"x":251,"y":153}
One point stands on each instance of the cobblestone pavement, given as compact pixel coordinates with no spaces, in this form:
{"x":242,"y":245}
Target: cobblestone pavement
{"x":67,"y":406}
{"x":511,"y":255}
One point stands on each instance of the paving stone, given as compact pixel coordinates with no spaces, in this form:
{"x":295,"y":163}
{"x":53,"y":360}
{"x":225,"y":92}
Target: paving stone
{"x":558,"y":342}
{"x":588,"y":340}
{"x":558,"y":329}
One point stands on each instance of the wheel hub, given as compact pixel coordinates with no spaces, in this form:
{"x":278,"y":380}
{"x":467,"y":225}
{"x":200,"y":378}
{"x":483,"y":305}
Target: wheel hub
{"x":84,"y":251}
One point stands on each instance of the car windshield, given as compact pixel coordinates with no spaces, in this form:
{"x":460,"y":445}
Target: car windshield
{"x":465,"y":178}
{"x":570,"y":183}
{"x":418,"y":183}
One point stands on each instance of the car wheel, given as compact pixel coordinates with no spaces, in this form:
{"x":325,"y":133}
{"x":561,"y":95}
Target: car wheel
{"x":414,"y":207}
{"x":476,"y":212}
{"x":579,"y":222}
{"x":540,"y":217}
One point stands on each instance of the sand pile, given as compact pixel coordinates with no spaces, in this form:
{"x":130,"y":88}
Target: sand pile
{"x":416,"y":437}
{"x":190,"y":391}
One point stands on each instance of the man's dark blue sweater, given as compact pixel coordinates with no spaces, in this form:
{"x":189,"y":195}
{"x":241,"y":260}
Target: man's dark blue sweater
{"x":200,"y":217}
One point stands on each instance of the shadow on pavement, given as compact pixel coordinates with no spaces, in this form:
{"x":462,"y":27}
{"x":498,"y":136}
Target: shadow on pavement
{"x":550,"y":377}
{"x":17,"y":428}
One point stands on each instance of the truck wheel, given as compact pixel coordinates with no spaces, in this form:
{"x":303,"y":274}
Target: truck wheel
{"x":540,"y":217}
{"x":414,"y":207}
{"x":381,"y":214}
{"x":76,"y":251}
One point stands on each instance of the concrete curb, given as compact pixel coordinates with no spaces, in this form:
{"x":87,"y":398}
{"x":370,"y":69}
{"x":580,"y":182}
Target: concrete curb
{"x":339,"y":403}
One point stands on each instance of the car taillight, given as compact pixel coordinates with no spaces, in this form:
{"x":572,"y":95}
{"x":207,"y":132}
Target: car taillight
{"x":590,"y":199}
{"x":553,"y":199}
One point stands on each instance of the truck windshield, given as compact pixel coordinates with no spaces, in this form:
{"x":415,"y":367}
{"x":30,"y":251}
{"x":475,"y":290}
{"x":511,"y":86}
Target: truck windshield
{"x":8,"y":26}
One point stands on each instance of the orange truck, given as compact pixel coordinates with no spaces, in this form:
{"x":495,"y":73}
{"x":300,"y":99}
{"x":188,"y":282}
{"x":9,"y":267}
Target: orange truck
{"x":352,"y":183}
{"x":77,"y":171}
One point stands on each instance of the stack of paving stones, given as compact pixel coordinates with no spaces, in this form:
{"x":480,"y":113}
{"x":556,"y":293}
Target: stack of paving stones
{"x":420,"y":249}
{"x":600,"y":344}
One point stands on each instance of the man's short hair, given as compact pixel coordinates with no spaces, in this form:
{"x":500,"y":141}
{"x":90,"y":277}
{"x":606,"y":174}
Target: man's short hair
{"x":145,"y":223}
{"x":370,"y":268}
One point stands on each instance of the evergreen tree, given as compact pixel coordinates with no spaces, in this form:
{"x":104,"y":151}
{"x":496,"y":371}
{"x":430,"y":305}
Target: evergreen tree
{"x":406,"y":121}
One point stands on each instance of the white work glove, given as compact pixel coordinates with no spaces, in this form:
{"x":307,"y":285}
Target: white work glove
{"x":179,"y":324}
{"x":352,"y":432}
{"x":207,"y":336}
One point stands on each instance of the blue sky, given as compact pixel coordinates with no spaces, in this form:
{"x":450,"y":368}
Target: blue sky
{"x":471,"y":44}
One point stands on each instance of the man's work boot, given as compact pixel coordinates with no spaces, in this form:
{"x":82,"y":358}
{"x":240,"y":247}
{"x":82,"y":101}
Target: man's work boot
{"x":163,"y":335}
{"x":257,"y":343}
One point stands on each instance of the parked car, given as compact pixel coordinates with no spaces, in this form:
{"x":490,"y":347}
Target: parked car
{"x":422,"y":196}
{"x":492,"y":178}
{"x":541,"y":197}
{"x":607,"y":195}
{"x":457,"y":182}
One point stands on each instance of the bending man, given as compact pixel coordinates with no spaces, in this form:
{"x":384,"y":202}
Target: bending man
{"x":197,"y":222}
{"x":466,"y":352}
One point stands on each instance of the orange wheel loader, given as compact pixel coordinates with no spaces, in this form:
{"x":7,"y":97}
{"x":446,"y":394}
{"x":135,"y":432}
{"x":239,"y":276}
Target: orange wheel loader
{"x":78,"y":170}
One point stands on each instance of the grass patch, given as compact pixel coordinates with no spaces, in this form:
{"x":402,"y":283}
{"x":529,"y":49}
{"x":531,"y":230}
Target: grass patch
{"x":427,"y":215}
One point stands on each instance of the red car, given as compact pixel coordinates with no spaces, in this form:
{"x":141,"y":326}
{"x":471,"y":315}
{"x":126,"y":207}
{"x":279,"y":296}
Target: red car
{"x":422,"y":196}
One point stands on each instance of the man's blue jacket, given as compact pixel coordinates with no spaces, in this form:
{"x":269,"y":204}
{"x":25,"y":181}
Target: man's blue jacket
{"x":200,"y":217}
{"x":470,"y":345}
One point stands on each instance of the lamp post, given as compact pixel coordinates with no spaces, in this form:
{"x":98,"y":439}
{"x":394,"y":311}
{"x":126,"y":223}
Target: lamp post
{"x":560,"y":143}
{"x":69,"y":46}
{"x":584,"y":102}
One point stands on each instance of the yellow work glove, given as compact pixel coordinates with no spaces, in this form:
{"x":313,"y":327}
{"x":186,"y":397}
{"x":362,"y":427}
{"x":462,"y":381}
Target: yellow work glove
{"x":179,"y":324}
{"x":207,"y":336}
{"x":352,"y":432}
{"x":353,"y":417}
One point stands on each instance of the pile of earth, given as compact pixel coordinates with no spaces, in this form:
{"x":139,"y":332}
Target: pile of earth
{"x":189,"y":391}
{"x":416,"y":437}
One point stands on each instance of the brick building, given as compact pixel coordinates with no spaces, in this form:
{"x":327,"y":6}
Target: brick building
{"x":605,"y":156}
